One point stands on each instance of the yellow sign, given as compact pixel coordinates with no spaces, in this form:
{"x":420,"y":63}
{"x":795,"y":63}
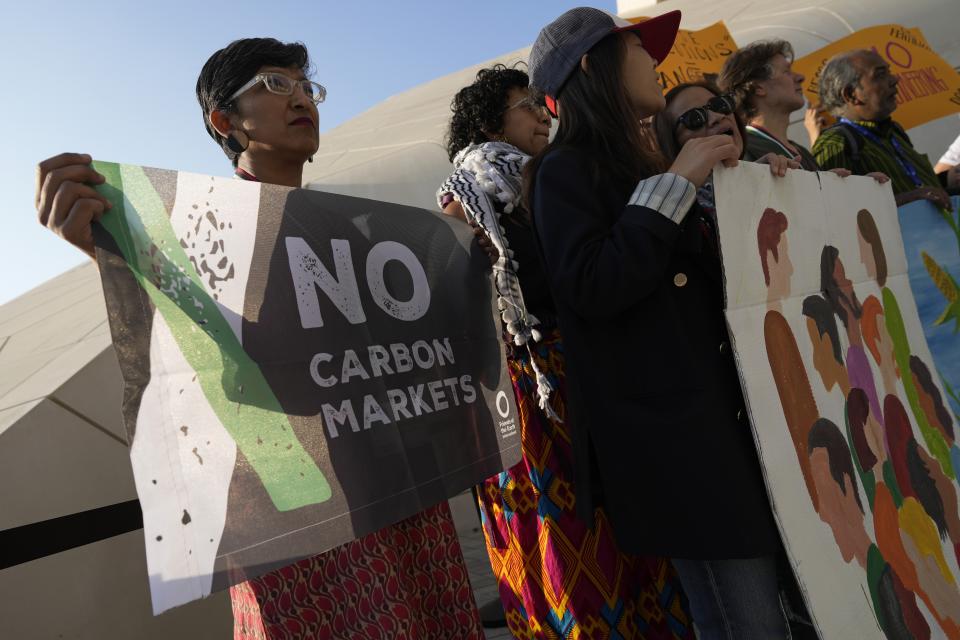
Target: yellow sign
{"x":695,"y":54}
{"x":929,"y":87}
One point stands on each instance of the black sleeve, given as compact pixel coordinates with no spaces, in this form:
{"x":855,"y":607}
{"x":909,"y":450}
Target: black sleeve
{"x":595,"y":267}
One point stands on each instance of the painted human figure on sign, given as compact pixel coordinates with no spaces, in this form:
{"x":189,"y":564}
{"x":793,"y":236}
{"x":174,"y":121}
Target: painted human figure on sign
{"x":939,"y":442}
{"x":786,"y":364}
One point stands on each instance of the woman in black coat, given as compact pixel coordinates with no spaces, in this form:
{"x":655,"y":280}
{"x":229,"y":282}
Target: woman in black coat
{"x":635,"y":274}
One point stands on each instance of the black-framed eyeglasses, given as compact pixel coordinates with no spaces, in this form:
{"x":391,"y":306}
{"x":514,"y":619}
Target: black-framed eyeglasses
{"x":698,"y":117}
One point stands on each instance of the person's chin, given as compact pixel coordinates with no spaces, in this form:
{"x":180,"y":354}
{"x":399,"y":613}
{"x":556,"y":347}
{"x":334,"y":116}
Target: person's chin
{"x":652,"y":105}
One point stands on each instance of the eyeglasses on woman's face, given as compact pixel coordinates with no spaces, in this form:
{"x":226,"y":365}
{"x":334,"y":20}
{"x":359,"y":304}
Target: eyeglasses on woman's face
{"x":282,"y":85}
{"x":528,"y":104}
{"x":698,"y":117}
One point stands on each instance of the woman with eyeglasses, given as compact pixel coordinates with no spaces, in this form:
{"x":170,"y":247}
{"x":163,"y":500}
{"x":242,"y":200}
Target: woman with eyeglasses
{"x":556,"y":573}
{"x":407,"y":580}
{"x":662,"y":438}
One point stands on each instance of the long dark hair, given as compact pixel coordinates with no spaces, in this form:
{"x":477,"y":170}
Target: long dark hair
{"x":665,"y":128}
{"x":599,"y":123}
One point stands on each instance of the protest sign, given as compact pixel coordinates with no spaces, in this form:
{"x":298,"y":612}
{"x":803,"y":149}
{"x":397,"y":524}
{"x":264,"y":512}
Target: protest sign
{"x":695,"y":54}
{"x":857,"y":447}
{"x":300,"y":368}
{"x":929,"y":87}
{"x":931,"y":238}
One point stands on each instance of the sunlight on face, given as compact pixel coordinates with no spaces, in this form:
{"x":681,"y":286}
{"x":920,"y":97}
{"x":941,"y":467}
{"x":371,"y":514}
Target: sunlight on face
{"x":525,"y":124}
{"x":279,"y":124}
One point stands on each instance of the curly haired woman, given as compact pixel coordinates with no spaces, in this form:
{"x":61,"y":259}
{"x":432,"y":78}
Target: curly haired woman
{"x":559,"y":575}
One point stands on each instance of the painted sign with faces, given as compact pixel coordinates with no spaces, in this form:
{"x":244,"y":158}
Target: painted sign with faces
{"x":300,"y":368}
{"x":856,"y":437}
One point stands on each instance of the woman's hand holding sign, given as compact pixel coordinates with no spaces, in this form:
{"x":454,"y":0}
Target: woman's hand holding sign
{"x":66,"y":200}
{"x":699,"y":156}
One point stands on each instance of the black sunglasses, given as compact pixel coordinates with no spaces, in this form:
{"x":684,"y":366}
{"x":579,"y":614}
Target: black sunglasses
{"x":698,"y":117}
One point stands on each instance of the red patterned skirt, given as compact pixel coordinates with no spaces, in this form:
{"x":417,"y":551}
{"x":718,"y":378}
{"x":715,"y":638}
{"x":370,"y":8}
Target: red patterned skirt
{"x":557,"y":577}
{"x":407,"y":581}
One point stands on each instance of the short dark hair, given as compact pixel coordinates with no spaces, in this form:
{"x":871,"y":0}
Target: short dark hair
{"x":925,"y":487}
{"x":924,"y":378}
{"x":748,"y":66}
{"x":825,"y":435}
{"x":831,"y":289}
{"x":858,"y":410}
{"x":231,"y":67}
{"x":868,"y":229}
{"x":771,"y":227}
{"x":665,"y":129}
{"x":820,"y":311}
{"x":478,"y":108}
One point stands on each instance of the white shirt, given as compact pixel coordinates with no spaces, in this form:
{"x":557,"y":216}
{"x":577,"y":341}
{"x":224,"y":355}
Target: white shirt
{"x":952,"y":155}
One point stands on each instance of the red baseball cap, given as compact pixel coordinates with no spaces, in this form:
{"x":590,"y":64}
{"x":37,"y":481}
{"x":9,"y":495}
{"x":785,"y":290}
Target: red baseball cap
{"x":657,"y":33}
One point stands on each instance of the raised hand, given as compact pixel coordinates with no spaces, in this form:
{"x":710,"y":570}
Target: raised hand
{"x":699,"y":156}
{"x":66,"y":201}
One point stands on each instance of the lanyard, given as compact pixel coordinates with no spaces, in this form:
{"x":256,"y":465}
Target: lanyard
{"x":901,"y":156}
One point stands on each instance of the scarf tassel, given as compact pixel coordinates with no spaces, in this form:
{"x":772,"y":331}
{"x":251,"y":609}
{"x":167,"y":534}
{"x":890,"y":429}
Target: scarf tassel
{"x":544,"y":388}
{"x":495,"y":169}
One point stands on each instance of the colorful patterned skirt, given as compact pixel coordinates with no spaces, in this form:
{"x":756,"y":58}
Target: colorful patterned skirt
{"x":557,"y":577}
{"x":407,"y":581}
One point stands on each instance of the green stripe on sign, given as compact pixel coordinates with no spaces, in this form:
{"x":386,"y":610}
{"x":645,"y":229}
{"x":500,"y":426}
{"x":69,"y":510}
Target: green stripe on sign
{"x":232,"y":383}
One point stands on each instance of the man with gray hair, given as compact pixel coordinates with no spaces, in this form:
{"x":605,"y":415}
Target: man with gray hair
{"x":858,"y":88}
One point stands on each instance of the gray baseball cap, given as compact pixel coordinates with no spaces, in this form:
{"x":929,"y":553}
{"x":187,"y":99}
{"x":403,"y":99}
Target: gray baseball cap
{"x":562,"y":43}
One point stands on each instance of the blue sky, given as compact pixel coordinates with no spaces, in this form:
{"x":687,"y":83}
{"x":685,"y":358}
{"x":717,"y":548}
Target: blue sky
{"x":116,"y":80}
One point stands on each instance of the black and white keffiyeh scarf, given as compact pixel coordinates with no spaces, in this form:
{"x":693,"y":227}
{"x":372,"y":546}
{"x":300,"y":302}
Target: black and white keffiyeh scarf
{"x":487,"y":181}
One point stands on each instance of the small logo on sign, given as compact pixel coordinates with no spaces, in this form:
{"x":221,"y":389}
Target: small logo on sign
{"x":503,"y":405}
{"x":508,"y":426}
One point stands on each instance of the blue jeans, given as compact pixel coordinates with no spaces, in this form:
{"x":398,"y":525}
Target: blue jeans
{"x":734,"y":599}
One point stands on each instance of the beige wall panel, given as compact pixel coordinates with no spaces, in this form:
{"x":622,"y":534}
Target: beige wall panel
{"x":100,"y":592}
{"x":54,"y":464}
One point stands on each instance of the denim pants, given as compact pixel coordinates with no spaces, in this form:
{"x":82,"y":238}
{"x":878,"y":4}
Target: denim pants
{"x":734,"y":599}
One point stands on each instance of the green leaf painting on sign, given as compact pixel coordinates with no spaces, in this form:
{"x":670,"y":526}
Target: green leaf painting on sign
{"x":231,"y":381}
{"x":948,"y":287}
